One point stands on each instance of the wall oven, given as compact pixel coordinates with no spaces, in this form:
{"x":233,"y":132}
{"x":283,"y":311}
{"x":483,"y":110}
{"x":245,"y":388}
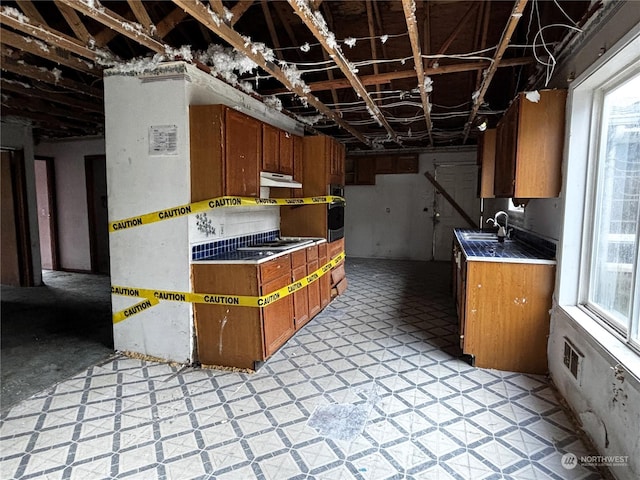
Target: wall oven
{"x":335,"y":214}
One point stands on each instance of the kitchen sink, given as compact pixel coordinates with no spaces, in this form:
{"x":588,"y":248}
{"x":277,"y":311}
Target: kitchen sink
{"x":480,"y":236}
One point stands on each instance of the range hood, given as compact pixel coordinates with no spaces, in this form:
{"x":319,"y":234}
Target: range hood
{"x":268,"y":179}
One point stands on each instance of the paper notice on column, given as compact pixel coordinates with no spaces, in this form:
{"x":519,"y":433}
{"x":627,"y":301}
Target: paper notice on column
{"x":163,"y":140}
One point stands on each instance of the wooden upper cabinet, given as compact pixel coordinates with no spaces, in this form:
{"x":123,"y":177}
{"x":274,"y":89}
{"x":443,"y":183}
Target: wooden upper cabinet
{"x":226,"y":148}
{"x":529,"y":145}
{"x":407,"y":164}
{"x":286,"y":153}
{"x":270,"y":149}
{"x":336,"y":163}
{"x":487,"y":162}
{"x":365,"y":171}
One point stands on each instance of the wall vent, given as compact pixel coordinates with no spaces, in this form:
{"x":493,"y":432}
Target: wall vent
{"x":572,"y":358}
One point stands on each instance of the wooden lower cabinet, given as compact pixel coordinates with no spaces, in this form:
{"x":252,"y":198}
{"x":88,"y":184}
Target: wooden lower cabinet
{"x":504,"y":314}
{"x":301,"y":297}
{"x":235,"y":336}
{"x":313,"y":288}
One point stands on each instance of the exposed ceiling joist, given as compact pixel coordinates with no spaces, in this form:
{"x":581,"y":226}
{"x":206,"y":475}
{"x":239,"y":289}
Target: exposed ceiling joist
{"x":36,"y":105}
{"x":514,"y":18}
{"x":325,"y":56}
{"x":74,"y":22}
{"x":456,"y":31}
{"x":412,"y":25}
{"x":48,"y":76}
{"x":198,"y":11}
{"x":31,"y":11}
{"x":320,"y":30}
{"x":272,"y":28}
{"x":46,"y":34}
{"x":141,"y":14}
{"x":40,"y":49}
{"x":169,"y":22}
{"x":239,"y":9}
{"x":46,"y":122}
{"x":372,"y":42}
{"x":38,"y":90}
{"x":383,"y":78}
{"x":134,"y":31}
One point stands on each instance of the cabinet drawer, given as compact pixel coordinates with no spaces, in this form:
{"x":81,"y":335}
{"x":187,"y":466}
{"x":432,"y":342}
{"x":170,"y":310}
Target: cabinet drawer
{"x":312,"y":253}
{"x":322,"y":253}
{"x":336,"y":247}
{"x":299,"y":258}
{"x":275,"y":268}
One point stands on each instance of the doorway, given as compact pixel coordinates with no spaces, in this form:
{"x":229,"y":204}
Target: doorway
{"x":96,"y":181}
{"x":46,"y":202}
{"x":460,"y":181}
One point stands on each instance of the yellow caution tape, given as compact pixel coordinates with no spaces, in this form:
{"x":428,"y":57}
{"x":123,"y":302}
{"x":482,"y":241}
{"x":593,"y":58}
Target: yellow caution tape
{"x":219,"y":202}
{"x":153,"y":297}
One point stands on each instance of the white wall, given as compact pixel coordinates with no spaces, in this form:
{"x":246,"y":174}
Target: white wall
{"x":406,"y":230}
{"x":18,"y":135}
{"x":71,"y":198}
{"x":157,"y":256}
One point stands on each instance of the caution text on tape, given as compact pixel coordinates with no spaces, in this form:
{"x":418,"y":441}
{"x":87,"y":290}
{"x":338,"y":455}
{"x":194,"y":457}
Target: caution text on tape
{"x":153,"y":297}
{"x":213,"y":203}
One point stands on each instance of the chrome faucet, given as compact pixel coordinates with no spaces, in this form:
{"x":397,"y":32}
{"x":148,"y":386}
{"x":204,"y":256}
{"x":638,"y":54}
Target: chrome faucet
{"x":502,"y":231}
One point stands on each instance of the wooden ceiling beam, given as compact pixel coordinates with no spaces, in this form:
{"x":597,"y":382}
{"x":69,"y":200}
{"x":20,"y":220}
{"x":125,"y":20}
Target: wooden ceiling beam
{"x":169,"y":22}
{"x":239,"y":9}
{"x":36,"y":73}
{"x":48,"y":35}
{"x":514,"y":18}
{"x":456,"y":31}
{"x":372,"y":42}
{"x":383,"y":78}
{"x":141,"y":14}
{"x":320,"y":30}
{"x":74,"y":21}
{"x":412,"y":25}
{"x":272,"y":29}
{"x":44,"y":121}
{"x":40,"y":49}
{"x":35,"y":105}
{"x":37,"y":90}
{"x":30,"y":10}
{"x":121,"y":25}
{"x":486,"y":15}
{"x":198,"y":11}
{"x":325,"y":55}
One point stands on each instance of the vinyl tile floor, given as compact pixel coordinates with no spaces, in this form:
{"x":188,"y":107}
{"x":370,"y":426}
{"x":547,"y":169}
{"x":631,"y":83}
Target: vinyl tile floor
{"x":371,"y":388}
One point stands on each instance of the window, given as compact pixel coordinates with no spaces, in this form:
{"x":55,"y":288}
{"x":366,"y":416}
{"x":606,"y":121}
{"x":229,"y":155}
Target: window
{"x":613,"y":236}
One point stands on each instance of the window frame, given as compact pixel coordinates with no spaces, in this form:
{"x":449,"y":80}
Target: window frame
{"x":592,"y":220}
{"x":589,"y":93}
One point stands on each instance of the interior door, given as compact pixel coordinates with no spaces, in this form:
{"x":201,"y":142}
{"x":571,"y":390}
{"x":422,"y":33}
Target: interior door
{"x":459,"y":181}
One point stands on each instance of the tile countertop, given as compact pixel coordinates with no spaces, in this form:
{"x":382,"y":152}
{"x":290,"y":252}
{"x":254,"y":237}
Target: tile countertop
{"x":254,"y":256}
{"x":511,"y":251}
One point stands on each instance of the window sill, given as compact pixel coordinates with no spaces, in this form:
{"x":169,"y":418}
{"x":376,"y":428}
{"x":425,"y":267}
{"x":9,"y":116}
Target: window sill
{"x":603,"y":340}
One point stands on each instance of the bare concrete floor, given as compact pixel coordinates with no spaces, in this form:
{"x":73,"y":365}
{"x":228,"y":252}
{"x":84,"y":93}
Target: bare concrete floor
{"x":52,"y":332}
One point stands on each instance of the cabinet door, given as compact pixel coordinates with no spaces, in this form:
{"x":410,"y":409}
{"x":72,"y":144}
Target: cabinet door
{"x":365,"y":169}
{"x":313,"y":290}
{"x":243,"y":153}
{"x":298,"y":174}
{"x":487,"y":162}
{"x":325,"y":281}
{"x":336,"y":163}
{"x":506,"y":143}
{"x":300,"y":299}
{"x":270,"y":146}
{"x":407,"y":164}
{"x":277,"y":317}
{"x":286,"y":153}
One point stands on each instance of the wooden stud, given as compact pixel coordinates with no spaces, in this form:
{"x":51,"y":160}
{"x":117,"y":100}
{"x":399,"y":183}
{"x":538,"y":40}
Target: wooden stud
{"x":456,"y":31}
{"x":30,"y":10}
{"x":40,"y":106}
{"x":320,"y":31}
{"x":372,"y":42}
{"x":514,"y":18}
{"x":169,"y":22}
{"x":272,"y":29}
